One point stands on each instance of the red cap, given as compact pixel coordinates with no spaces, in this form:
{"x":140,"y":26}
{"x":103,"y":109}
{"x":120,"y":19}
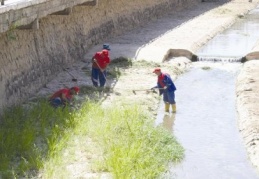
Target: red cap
{"x":105,"y":52}
{"x":75,"y":88}
{"x":157,"y":70}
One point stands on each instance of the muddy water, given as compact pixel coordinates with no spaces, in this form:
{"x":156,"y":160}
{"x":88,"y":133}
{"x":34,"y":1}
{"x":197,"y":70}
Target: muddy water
{"x":235,"y":42}
{"x":206,"y":119}
{"x":206,"y":125}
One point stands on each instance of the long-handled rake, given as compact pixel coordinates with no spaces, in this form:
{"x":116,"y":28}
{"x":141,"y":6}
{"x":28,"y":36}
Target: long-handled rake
{"x":147,"y":90}
{"x":73,"y":78}
{"x":134,"y":91}
{"x":101,"y":70}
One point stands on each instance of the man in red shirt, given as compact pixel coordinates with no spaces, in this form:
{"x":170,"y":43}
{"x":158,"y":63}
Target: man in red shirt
{"x":63,"y":96}
{"x":100,"y":61}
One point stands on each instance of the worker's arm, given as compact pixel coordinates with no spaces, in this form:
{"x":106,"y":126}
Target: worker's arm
{"x":168,"y":81}
{"x":159,"y":87}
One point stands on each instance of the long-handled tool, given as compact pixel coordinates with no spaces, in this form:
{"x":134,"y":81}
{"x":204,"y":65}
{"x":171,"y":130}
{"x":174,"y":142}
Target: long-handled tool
{"x":147,"y":90}
{"x":101,"y":70}
{"x":73,"y":78}
{"x":134,"y":91}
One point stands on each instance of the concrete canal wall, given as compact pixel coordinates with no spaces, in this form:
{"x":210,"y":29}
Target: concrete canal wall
{"x":247,"y":91}
{"x":40,"y":39}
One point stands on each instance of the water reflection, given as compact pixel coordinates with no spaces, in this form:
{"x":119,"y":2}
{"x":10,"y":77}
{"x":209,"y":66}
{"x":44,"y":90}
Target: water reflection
{"x":168,"y":121}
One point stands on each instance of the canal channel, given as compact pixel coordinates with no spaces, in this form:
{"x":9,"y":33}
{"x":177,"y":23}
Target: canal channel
{"x":206,"y":119}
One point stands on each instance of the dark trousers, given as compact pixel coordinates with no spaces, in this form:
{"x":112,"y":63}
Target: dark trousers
{"x":169,"y":97}
{"x":56,"y":102}
{"x":98,"y":77}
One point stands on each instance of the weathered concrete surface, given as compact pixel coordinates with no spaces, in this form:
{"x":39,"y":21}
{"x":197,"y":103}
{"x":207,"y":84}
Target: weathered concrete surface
{"x":247,"y":91}
{"x":21,"y":13}
{"x":247,"y":107}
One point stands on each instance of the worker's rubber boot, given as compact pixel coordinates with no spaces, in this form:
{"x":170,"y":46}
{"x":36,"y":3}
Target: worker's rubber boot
{"x":174,"y":108}
{"x":167,"y":105}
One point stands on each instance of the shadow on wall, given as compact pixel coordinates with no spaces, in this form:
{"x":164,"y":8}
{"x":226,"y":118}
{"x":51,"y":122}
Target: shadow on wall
{"x":173,"y":53}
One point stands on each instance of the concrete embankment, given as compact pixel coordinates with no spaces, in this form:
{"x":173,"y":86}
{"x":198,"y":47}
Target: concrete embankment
{"x":247,"y":91}
{"x":194,"y":33}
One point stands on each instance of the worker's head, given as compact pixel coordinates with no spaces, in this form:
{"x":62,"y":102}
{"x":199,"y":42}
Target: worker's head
{"x":157,"y":71}
{"x":75,"y":90}
{"x":106,"y":47}
{"x":105,"y":52}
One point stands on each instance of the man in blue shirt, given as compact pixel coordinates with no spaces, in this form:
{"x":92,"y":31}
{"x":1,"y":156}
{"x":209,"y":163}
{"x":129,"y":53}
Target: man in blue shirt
{"x":166,"y":87}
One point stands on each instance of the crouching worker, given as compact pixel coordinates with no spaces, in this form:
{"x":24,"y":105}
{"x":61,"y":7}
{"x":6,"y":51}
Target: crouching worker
{"x":166,"y":87}
{"x":63,"y":97}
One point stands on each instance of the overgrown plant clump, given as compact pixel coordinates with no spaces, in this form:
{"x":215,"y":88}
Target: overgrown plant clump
{"x":134,"y":148}
{"x":41,"y":140}
{"x":29,"y":135}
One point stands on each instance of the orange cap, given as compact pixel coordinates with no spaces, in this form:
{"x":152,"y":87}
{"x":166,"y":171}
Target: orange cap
{"x":157,"y":70}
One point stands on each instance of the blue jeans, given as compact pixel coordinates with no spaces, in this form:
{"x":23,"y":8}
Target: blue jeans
{"x":56,"y":102}
{"x":98,"y":76}
{"x":169,"y":97}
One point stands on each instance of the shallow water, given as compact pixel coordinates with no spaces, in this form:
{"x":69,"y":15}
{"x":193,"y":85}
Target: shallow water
{"x":206,"y":119}
{"x":206,"y":124}
{"x":237,"y":41}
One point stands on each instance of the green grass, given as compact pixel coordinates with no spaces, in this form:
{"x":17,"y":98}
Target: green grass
{"x":28,"y":135}
{"x":137,"y":148}
{"x":38,"y":139}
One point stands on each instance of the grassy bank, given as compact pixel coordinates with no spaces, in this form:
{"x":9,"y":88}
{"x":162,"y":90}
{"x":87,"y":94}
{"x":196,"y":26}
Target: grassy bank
{"x":41,"y":141}
{"x":90,"y":141}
